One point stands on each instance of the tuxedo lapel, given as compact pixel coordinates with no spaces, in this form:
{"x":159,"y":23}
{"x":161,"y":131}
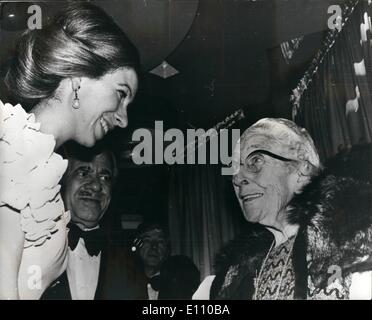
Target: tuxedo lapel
{"x":102,"y":268}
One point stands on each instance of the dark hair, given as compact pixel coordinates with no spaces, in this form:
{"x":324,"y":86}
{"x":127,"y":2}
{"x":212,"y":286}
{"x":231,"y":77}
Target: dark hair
{"x":82,"y":40}
{"x":151,"y":225}
{"x":72,"y":150}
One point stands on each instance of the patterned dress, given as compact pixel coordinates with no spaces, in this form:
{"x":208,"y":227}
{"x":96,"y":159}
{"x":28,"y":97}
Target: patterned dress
{"x":277,"y":281}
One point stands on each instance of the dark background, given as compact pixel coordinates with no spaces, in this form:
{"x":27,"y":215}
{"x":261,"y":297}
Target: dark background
{"x":228,"y":56}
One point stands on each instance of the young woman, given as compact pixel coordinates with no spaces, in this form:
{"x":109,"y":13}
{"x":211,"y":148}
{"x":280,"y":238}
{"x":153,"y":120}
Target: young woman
{"x":79,"y":73}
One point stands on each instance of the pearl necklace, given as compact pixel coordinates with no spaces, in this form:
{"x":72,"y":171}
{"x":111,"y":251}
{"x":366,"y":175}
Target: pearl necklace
{"x":258,"y":279}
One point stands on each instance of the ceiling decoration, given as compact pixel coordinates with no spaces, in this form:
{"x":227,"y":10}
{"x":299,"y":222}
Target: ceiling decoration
{"x":164,"y":70}
{"x":330,"y":39}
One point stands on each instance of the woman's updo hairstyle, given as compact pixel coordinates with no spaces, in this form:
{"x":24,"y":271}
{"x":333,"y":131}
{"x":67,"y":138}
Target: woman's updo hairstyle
{"x":81,"y":41}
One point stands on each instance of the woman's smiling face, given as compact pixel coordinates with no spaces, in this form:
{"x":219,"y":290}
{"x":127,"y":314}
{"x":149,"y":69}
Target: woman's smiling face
{"x":103,"y":104}
{"x":264,"y":184}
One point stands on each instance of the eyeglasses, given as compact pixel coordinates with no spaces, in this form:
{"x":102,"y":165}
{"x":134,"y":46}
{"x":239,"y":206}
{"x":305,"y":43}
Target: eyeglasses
{"x":255,"y":160}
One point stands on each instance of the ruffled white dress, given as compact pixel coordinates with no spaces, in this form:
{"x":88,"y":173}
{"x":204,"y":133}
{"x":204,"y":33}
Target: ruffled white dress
{"x":30,"y":172}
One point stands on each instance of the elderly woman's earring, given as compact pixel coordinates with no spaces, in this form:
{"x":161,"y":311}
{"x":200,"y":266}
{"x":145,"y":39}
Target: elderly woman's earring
{"x":76,"y":101}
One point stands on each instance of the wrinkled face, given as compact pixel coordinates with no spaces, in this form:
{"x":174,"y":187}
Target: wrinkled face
{"x":103,"y":104}
{"x":154,"y":249}
{"x":265,"y":182}
{"x":87,"y":191}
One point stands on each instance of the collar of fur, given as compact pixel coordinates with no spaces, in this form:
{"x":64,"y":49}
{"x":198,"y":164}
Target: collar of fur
{"x":335,"y":218}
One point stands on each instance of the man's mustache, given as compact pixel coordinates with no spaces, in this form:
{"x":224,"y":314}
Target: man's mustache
{"x":91,"y":195}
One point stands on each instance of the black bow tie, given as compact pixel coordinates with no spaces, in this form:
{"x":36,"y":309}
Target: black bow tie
{"x":93,"y":239}
{"x":155,"y":282}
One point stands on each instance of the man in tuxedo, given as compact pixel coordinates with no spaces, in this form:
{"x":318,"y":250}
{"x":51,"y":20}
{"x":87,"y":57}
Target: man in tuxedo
{"x":86,"y":191}
{"x":153,"y":247}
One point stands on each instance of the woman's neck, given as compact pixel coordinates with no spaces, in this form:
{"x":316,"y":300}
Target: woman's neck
{"x":282,"y":235}
{"x":282,"y":229}
{"x":53,"y":120}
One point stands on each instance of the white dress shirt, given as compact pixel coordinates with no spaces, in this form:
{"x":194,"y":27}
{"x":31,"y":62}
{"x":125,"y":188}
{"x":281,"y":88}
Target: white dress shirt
{"x":151,"y":293}
{"x":82,"y":272}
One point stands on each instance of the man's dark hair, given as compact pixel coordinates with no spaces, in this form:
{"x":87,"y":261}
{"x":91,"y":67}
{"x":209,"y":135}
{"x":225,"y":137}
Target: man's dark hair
{"x":73,"y":150}
{"x":149,"y":226}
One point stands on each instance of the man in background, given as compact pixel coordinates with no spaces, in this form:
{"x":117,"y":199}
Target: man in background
{"x":86,"y":191}
{"x":168,"y":277}
{"x":146,"y":271}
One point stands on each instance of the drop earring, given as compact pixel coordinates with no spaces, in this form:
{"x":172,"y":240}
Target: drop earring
{"x":76,"y":100}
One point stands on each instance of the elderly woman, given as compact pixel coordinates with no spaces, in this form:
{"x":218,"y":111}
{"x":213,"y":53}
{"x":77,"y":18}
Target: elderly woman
{"x":79,"y":73}
{"x":308,"y":232}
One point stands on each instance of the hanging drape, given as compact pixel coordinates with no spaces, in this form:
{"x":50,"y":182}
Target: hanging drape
{"x":333,"y":100}
{"x":202,"y":214}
